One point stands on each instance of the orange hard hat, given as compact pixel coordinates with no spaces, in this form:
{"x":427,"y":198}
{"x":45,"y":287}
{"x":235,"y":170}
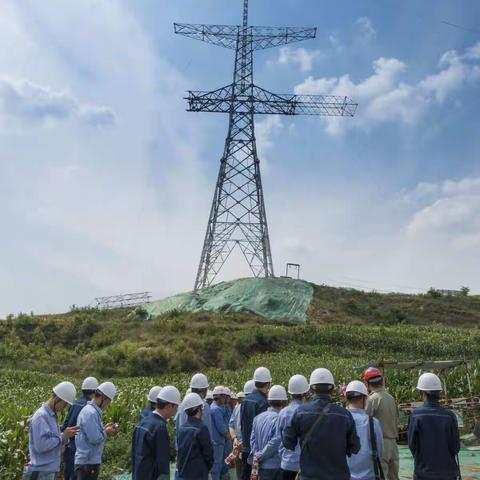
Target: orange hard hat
{"x":372,"y":373}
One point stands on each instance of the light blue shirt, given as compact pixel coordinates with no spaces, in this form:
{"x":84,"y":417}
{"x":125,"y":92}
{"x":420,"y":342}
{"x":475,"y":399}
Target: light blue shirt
{"x":219,"y":424}
{"x":91,"y":437}
{"x":290,"y":458}
{"x":235,"y":422}
{"x":361,"y":464}
{"x":45,"y":441}
{"x":265,"y":441}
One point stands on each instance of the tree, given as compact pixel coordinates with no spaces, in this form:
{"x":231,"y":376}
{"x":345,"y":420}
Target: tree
{"x":464,"y":291}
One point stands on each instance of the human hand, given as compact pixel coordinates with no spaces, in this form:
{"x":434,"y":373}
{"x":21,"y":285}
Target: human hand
{"x":70,"y":432}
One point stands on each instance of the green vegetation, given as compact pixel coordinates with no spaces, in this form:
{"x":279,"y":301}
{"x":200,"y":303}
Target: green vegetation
{"x":345,"y":328}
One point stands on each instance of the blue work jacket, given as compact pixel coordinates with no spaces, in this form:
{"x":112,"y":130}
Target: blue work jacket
{"x":91,"y":437}
{"x":324,"y":456}
{"x":235,"y":422}
{"x":264,"y":440}
{"x":255,"y":403}
{"x":361,"y":463}
{"x":72,"y":416}
{"x":195,"y":451}
{"x":45,"y":441}
{"x":145,"y":413}
{"x":182,"y":417}
{"x":290,"y":458}
{"x":434,"y":441}
{"x":219,"y":424}
{"x":151,"y":448}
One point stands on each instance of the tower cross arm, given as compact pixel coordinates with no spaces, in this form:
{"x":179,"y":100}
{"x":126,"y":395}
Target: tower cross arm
{"x":261,"y":38}
{"x":224,"y":100}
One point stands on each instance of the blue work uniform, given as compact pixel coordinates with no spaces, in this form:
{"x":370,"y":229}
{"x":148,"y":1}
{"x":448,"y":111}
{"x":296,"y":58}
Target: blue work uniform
{"x":45,"y":441}
{"x":235,"y":422}
{"x":151,"y":449}
{"x":253,"y":405}
{"x":182,"y":417}
{"x":290,"y":460}
{"x":145,"y":413}
{"x":229,"y":442}
{"x":91,"y":436}
{"x":434,"y":441}
{"x":361,"y":463}
{"x":219,"y":432}
{"x":195,"y":451}
{"x":325,"y":454}
{"x":265,"y":443}
{"x":71,"y":421}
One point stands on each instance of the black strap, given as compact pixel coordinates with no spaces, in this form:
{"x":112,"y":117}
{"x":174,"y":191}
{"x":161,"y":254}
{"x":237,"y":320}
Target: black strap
{"x":459,"y":475}
{"x":322,"y":413}
{"x":377,"y":464}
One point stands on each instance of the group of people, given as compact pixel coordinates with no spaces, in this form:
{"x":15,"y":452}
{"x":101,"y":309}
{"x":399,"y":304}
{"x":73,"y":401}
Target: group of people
{"x":257,"y":434}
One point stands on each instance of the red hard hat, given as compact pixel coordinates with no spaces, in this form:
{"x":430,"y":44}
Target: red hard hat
{"x":371,"y":373}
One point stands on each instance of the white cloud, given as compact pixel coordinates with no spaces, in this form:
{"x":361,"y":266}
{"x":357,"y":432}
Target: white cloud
{"x":301,"y":57}
{"x":366,"y":28}
{"x":29,"y":102}
{"x":384,"y":97}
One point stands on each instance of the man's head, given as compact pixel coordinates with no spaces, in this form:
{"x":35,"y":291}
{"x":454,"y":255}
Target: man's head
{"x":430,"y":386}
{"x":356,"y":394}
{"x":322,"y":382}
{"x":277,"y":397}
{"x":63,"y":394}
{"x":192,"y":405}
{"x":240,"y":397}
{"x":298,"y":387}
{"x":373,"y":378}
{"x":262,"y":379}
{"x":199,"y":384}
{"x":220,"y":395}
{"x":209,"y":397}
{"x":153,"y":395}
{"x":89,"y":385}
{"x":168,"y":401}
{"x":104,"y":394}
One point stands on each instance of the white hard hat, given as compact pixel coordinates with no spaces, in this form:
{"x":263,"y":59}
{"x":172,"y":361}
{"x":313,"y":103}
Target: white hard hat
{"x":278,"y":393}
{"x":219,"y":390}
{"x":199,"y":380}
{"x":240,"y":395}
{"x":192,"y":400}
{"x":170,"y":394}
{"x":209,"y":395}
{"x":357,"y":387}
{"x":262,"y":375}
{"x":228,"y":392}
{"x":248,"y":387}
{"x":321,"y":376}
{"x":298,"y":385}
{"x":233,"y":395}
{"x":153,"y":394}
{"x":90,"y":383}
{"x":429,"y":382}
{"x":65,"y":391}
{"x":108,"y":389}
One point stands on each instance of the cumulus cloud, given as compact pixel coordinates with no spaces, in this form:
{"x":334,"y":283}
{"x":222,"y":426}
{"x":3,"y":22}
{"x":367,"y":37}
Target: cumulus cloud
{"x":385,"y":97}
{"x":365,"y":26}
{"x":30,"y":102}
{"x":300,"y":57}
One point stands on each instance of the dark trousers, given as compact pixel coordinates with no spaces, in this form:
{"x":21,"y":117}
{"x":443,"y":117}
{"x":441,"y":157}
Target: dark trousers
{"x":246,"y":468}
{"x":69,"y":463}
{"x":269,"y":474}
{"x":289,"y":475}
{"x":87,"y":472}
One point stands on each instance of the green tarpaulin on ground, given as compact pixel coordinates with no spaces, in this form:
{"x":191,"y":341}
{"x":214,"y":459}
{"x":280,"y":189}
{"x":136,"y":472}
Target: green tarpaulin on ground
{"x":272,"y":298}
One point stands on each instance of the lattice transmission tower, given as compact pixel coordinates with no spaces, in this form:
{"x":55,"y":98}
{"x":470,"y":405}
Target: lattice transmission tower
{"x":237,"y":216}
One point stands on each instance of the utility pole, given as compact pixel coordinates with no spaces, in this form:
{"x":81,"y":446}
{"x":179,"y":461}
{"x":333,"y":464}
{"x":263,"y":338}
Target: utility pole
{"x":237,"y":216}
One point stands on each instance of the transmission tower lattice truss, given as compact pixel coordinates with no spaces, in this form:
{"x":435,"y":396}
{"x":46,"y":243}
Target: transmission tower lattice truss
{"x":237,"y":216}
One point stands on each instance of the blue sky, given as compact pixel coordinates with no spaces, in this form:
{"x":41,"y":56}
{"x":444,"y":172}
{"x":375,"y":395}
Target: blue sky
{"x":106,"y":181}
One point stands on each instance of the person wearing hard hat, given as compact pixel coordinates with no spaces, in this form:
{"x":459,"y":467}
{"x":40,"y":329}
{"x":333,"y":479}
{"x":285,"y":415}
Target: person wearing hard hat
{"x":325,"y":431}
{"x":92,"y":433}
{"x":255,"y":403}
{"x":365,"y":465}
{"x":433,"y":436}
{"x":195,"y":451}
{"x":236,"y":434}
{"x":219,"y":430}
{"x":228,"y":411}
{"x":152,"y":400}
{"x":45,"y":440}
{"x":264,"y":440}
{"x":381,"y":405}
{"x":89,"y":385}
{"x":298,"y":388}
{"x":151,"y":442}
{"x":209,"y":397}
